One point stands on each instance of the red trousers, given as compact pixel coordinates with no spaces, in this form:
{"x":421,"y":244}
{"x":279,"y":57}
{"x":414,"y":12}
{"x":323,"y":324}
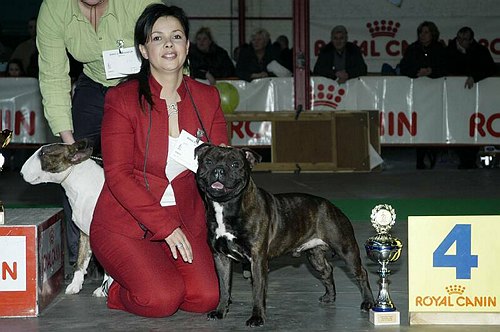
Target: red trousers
{"x":148,"y":281}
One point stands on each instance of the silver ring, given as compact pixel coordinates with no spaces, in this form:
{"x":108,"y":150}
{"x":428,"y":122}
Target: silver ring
{"x":179,"y":245}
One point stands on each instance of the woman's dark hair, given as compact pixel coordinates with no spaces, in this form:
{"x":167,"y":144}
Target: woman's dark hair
{"x":142,"y":33}
{"x":433,"y":29}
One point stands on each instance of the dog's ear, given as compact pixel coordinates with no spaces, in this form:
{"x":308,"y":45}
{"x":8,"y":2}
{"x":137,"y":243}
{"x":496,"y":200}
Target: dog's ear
{"x":79,"y":151}
{"x":252,"y":156}
{"x":82,"y":144}
{"x":201,"y":148}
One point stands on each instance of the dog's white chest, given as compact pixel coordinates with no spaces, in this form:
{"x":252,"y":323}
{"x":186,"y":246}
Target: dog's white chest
{"x":221,"y":230}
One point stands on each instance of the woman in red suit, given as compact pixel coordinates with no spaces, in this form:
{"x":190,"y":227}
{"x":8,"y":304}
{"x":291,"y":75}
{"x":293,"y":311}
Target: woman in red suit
{"x":149,"y":229}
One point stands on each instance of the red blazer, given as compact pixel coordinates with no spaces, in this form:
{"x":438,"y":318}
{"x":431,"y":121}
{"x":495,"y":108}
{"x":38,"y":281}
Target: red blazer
{"x":125,"y":203}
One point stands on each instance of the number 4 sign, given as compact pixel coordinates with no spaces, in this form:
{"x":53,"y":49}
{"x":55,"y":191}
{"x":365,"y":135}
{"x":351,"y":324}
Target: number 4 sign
{"x":453,"y":265}
{"x":463,"y":260}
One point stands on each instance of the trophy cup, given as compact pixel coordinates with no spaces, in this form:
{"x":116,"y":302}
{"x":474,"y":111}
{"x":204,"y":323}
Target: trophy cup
{"x":383,"y":249}
{"x":5,"y":137}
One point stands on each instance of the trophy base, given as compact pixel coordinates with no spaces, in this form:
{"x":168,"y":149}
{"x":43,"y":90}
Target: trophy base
{"x":384,"y":317}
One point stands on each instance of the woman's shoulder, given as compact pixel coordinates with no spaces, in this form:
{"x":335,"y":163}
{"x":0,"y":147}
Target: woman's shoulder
{"x":196,"y":86}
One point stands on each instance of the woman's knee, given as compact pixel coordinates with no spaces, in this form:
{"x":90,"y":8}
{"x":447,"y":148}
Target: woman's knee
{"x":201,"y":301}
{"x":156,"y":304}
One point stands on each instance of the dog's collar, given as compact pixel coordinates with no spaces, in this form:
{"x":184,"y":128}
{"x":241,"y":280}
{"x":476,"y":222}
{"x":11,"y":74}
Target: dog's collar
{"x":67,"y":175}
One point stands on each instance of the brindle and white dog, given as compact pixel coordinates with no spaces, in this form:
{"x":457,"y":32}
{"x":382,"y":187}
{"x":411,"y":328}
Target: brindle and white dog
{"x":247,"y":223}
{"x":82,"y":179}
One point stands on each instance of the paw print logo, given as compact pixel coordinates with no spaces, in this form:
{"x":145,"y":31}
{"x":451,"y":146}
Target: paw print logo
{"x":328,"y":96}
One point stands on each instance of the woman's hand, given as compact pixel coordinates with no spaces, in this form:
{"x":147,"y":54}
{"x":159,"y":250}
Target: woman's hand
{"x":178,"y":241}
{"x":67,"y":136}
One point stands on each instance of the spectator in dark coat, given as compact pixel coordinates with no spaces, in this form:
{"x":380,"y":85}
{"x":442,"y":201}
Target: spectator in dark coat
{"x":207,"y":59}
{"x":253,"y":60}
{"x":426,"y":56}
{"x":285,"y":53}
{"x":340,"y":60}
{"x":466,"y":57}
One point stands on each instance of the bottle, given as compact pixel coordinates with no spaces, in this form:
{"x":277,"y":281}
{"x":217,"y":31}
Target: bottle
{"x":2,"y":215}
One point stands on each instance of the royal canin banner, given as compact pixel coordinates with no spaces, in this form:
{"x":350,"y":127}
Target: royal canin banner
{"x":412,"y":111}
{"x":21,"y":111}
{"x":384,"y":39}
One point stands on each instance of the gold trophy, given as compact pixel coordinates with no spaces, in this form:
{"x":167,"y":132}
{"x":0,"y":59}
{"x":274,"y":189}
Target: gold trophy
{"x":383,"y":249}
{"x":5,"y":137}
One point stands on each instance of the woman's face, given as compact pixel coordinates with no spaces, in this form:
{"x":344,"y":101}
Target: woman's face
{"x":259,"y":42}
{"x":425,"y":36}
{"x":167,"y":47}
{"x":203,"y":42}
{"x":14,"y":70}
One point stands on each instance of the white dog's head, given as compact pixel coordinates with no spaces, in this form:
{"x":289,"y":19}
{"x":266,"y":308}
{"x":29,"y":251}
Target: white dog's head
{"x":52,"y":162}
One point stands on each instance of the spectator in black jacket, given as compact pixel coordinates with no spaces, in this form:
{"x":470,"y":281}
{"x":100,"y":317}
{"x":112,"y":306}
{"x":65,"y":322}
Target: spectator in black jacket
{"x":207,"y":59}
{"x":340,"y":60}
{"x":466,"y":57}
{"x":253,"y":59}
{"x":426,"y":56}
{"x":285,"y":53}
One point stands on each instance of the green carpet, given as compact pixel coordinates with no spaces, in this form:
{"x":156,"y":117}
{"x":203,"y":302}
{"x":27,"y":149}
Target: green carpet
{"x":360,"y":209}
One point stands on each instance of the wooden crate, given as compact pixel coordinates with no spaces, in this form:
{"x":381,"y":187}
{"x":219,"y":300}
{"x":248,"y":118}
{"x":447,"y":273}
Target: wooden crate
{"x":317,"y":141}
{"x":31,"y":260}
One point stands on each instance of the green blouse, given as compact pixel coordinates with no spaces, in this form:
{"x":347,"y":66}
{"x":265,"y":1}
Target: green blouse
{"x":62,"y":26}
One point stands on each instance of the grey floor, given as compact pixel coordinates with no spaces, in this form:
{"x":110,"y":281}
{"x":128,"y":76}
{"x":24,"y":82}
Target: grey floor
{"x":292,"y":299}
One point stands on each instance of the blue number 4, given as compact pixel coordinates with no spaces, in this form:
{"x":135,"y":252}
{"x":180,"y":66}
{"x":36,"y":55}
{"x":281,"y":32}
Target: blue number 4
{"x":463,"y":261}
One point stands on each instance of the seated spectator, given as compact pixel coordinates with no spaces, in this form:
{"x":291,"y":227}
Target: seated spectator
{"x":27,"y":51}
{"x":15,"y":68}
{"x":426,"y":56}
{"x":466,"y":57}
{"x":253,"y":60}
{"x":339,"y":59}
{"x":285,"y":53}
{"x":207,"y":59}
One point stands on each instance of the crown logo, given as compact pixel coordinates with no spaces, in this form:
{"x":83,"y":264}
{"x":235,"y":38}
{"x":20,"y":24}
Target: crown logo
{"x":455,"y":289}
{"x":328,"y":96}
{"x":383,"y":28}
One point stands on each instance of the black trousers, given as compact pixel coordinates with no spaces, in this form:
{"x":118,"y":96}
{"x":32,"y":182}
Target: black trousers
{"x":87,"y":111}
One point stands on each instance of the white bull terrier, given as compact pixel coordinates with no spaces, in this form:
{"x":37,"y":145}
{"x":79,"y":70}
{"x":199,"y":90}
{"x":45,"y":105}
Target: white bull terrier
{"x":82,"y":179}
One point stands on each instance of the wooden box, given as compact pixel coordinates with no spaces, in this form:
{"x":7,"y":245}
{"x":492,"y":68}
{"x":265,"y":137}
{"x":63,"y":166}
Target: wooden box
{"x":317,"y":141}
{"x":31,"y":260}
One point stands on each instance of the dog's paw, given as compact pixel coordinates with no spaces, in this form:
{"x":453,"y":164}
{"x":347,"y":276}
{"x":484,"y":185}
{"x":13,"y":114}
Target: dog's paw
{"x":255,"y":321}
{"x":367,"y":305}
{"x":73,"y":288}
{"x":327,"y":298}
{"x":76,"y":284}
{"x":216,"y":314}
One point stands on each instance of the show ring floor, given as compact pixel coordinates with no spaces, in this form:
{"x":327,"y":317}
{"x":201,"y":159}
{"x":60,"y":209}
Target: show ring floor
{"x":293,"y":291}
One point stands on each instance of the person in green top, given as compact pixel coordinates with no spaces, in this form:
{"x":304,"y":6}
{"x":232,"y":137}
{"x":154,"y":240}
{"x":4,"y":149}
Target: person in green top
{"x":92,"y":31}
